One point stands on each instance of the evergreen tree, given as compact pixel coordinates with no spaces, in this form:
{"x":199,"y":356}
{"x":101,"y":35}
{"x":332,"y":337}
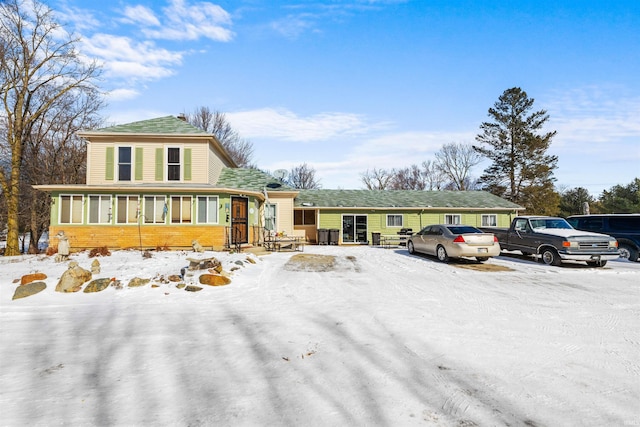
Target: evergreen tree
{"x":622,"y":199}
{"x":572,"y":202}
{"x":521,"y":171}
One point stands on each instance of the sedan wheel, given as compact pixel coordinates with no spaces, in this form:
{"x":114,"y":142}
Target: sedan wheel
{"x":442,"y":254}
{"x":481,"y":258}
{"x":410,"y":247}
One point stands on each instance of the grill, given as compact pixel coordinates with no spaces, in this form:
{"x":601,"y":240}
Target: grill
{"x":593,"y":245}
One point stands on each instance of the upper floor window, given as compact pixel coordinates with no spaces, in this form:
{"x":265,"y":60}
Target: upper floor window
{"x":452,"y":219}
{"x":173,"y":164}
{"x":489,"y":220}
{"x":124,"y":163}
{"x":394,"y":220}
{"x":70,"y":210}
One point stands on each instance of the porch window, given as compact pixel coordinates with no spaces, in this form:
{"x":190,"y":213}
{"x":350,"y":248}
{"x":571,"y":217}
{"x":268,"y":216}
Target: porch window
{"x":394,"y":220}
{"x":127,"y":208}
{"x":270,"y":217}
{"x":180,"y":209}
{"x":208,"y":209}
{"x":173,"y":164}
{"x":70,"y":210}
{"x":155,"y":209}
{"x":489,"y":220}
{"x":453,"y":219}
{"x":124,"y":163}
{"x":304,"y":217}
{"x":100,"y":209}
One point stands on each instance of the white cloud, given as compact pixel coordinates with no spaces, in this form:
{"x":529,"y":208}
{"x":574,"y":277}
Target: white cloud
{"x":140,"y":15}
{"x":122,"y":94}
{"x":594,"y":115}
{"x":125,"y":59}
{"x":183,"y":21}
{"x":285,"y":125}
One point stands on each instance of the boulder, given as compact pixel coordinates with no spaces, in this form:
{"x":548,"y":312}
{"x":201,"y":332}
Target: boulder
{"x":28,"y":278}
{"x":97,"y":285}
{"x":192,"y":288}
{"x":29,"y":289}
{"x":174,"y":278}
{"x":137,"y":282}
{"x":95,"y":266}
{"x":214,"y":280}
{"x":73,"y":279}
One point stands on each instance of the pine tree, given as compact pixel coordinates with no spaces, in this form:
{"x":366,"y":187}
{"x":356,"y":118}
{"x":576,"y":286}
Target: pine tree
{"x":521,"y":171}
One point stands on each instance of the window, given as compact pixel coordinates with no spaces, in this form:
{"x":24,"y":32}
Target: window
{"x":452,"y":219}
{"x":394,"y":220}
{"x":489,"y":220}
{"x":127,"y":208}
{"x":180,"y":209}
{"x":173,"y":164}
{"x":155,"y":209}
{"x":124,"y":163}
{"x":304,"y":217}
{"x":270,"y":217}
{"x":99,"y":209}
{"x":207,"y":209}
{"x":70,"y":210}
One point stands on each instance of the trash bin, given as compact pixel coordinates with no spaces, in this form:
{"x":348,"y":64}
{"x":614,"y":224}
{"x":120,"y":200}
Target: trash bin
{"x":323,"y":236}
{"x":375,"y":239}
{"x":334,"y":236}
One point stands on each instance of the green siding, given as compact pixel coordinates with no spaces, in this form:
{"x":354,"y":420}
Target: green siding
{"x":109,"y":164}
{"x":138,"y":171}
{"x":159,"y":164}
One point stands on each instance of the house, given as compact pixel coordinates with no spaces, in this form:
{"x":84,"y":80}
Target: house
{"x":165,"y":183}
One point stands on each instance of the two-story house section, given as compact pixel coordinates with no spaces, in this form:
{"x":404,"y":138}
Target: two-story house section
{"x":164,"y":183}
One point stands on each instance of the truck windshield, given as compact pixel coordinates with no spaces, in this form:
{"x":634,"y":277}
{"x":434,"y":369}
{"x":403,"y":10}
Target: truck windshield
{"x":542,"y":223}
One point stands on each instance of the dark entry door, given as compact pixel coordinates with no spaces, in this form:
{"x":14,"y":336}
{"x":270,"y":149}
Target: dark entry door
{"x":239,"y":220}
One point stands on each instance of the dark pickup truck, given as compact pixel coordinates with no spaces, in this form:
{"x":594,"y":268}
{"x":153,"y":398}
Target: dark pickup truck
{"x":554,"y":240}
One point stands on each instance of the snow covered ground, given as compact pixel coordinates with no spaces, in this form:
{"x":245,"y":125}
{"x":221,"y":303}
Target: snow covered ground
{"x":383,"y":338}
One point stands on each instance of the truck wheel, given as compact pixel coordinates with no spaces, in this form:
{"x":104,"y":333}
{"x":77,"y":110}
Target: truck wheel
{"x":442,"y":254}
{"x":410,"y":247}
{"x":596,"y":263}
{"x":628,"y":252}
{"x":481,"y":258}
{"x":550,"y":257}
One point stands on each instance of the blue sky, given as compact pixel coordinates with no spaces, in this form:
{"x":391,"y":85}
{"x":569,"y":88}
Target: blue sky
{"x":348,"y":86}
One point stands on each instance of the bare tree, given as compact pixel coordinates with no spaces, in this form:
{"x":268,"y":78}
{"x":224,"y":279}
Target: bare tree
{"x":434,"y":178}
{"x":303,"y":177}
{"x":409,"y":178}
{"x":40,"y":66}
{"x":455,"y":161}
{"x":215,"y":122}
{"x":54,"y":155}
{"x":377,"y":179}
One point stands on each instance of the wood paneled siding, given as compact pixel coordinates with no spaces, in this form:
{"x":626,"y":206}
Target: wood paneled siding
{"x":152,"y":236}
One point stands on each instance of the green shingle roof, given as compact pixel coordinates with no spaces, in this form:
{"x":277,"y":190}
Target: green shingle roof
{"x":159,"y":125}
{"x":401,"y":199}
{"x":249,"y":180}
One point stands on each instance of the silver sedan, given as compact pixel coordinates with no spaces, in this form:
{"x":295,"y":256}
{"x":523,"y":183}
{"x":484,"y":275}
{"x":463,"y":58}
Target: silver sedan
{"x":454,"y":241}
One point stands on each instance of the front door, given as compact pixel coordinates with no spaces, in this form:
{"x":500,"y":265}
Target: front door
{"x":354,"y":229}
{"x":239,"y":220}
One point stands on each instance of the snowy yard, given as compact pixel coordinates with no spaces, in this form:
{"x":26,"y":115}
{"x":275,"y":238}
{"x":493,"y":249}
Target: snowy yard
{"x":382,"y":338}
